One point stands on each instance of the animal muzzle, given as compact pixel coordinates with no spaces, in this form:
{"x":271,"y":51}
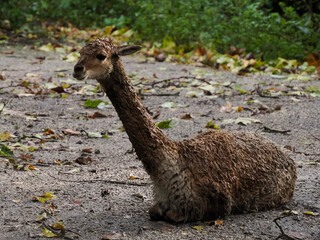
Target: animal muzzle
{"x":78,"y":72}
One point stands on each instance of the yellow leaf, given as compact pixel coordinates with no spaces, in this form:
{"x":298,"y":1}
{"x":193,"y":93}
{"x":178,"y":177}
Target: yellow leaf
{"x":47,"y":48}
{"x":132,"y":177}
{"x":199,"y":228}
{"x":48,"y":233}
{"x":311,"y":213}
{"x":59,"y":225}
{"x":45,"y":197}
{"x":43,"y":216}
{"x":5,"y":136}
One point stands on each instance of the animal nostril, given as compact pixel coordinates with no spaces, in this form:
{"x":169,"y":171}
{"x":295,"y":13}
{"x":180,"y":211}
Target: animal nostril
{"x":78,"y":68}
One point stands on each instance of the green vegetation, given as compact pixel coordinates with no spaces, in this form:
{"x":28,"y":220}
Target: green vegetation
{"x":267,"y":28}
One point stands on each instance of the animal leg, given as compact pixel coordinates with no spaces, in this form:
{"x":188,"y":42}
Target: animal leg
{"x":173,"y":216}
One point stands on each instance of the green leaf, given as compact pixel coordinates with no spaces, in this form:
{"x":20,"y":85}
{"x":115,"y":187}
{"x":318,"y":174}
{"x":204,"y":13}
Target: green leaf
{"x":165,"y":124}
{"x":92,"y":103}
{"x":315,"y":94}
{"x":210,"y":124}
{"x":5,"y":151}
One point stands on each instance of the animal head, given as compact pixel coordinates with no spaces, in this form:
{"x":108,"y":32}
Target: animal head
{"x":98,"y":57}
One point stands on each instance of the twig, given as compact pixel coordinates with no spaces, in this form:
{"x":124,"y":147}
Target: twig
{"x":283,"y":234}
{"x":268,"y":129}
{"x":5,"y":104}
{"x":101,"y":180}
{"x":60,"y":232}
{"x":10,"y":86}
{"x":315,"y":137}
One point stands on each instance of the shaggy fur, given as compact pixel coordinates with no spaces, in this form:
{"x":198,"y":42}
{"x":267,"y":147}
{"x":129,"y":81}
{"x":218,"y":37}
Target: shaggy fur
{"x":209,"y":176}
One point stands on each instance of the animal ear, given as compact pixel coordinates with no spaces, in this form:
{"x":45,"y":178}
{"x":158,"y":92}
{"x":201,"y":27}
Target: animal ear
{"x":127,"y":50}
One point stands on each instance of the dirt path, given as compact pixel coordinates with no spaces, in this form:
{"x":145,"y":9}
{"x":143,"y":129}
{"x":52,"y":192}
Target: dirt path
{"x":106,"y":196}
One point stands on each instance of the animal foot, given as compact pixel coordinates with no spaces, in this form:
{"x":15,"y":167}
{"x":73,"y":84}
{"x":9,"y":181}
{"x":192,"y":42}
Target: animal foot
{"x":157,"y":212}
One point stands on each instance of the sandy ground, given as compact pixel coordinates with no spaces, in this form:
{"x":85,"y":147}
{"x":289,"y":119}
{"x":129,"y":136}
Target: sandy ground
{"x":98,"y":200}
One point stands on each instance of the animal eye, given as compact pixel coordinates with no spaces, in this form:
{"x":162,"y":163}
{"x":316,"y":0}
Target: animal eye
{"x":100,"y":57}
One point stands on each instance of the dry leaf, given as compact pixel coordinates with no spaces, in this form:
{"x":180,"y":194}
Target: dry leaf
{"x":70,"y":132}
{"x":98,"y":115}
{"x":198,"y":227}
{"x":48,"y":132}
{"x":227,"y":108}
{"x":186,"y":116}
{"x":239,"y":109}
{"x":5,"y":136}
{"x":48,"y":233}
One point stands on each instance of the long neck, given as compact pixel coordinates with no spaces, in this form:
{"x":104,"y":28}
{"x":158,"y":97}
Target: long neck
{"x":149,"y":142}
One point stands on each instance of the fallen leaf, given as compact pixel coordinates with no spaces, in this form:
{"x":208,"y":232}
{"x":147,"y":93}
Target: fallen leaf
{"x":239,"y":109}
{"x":218,"y":222}
{"x":8,"y":52}
{"x":87,"y":150}
{"x":31,"y":167}
{"x":45,"y":197}
{"x":132,"y":177}
{"x":70,"y":132}
{"x":97,"y":115}
{"x":112,"y":236}
{"x":59,"y":226}
{"x":58,"y":89}
{"x":171,"y":104}
{"x":47,"y":48}
{"x":227,"y":108}
{"x":210,"y":124}
{"x":165,"y":124}
{"x":5,"y":136}
{"x":92,"y":103}
{"x":311,"y":213}
{"x":84,"y":160}
{"x":186,"y":116}
{"x":72,"y":57}
{"x":42,"y":216}
{"x":48,"y":233}
{"x":5,"y":151}
{"x":199,"y":228}
{"x":48,"y":131}
{"x":16,"y":201}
